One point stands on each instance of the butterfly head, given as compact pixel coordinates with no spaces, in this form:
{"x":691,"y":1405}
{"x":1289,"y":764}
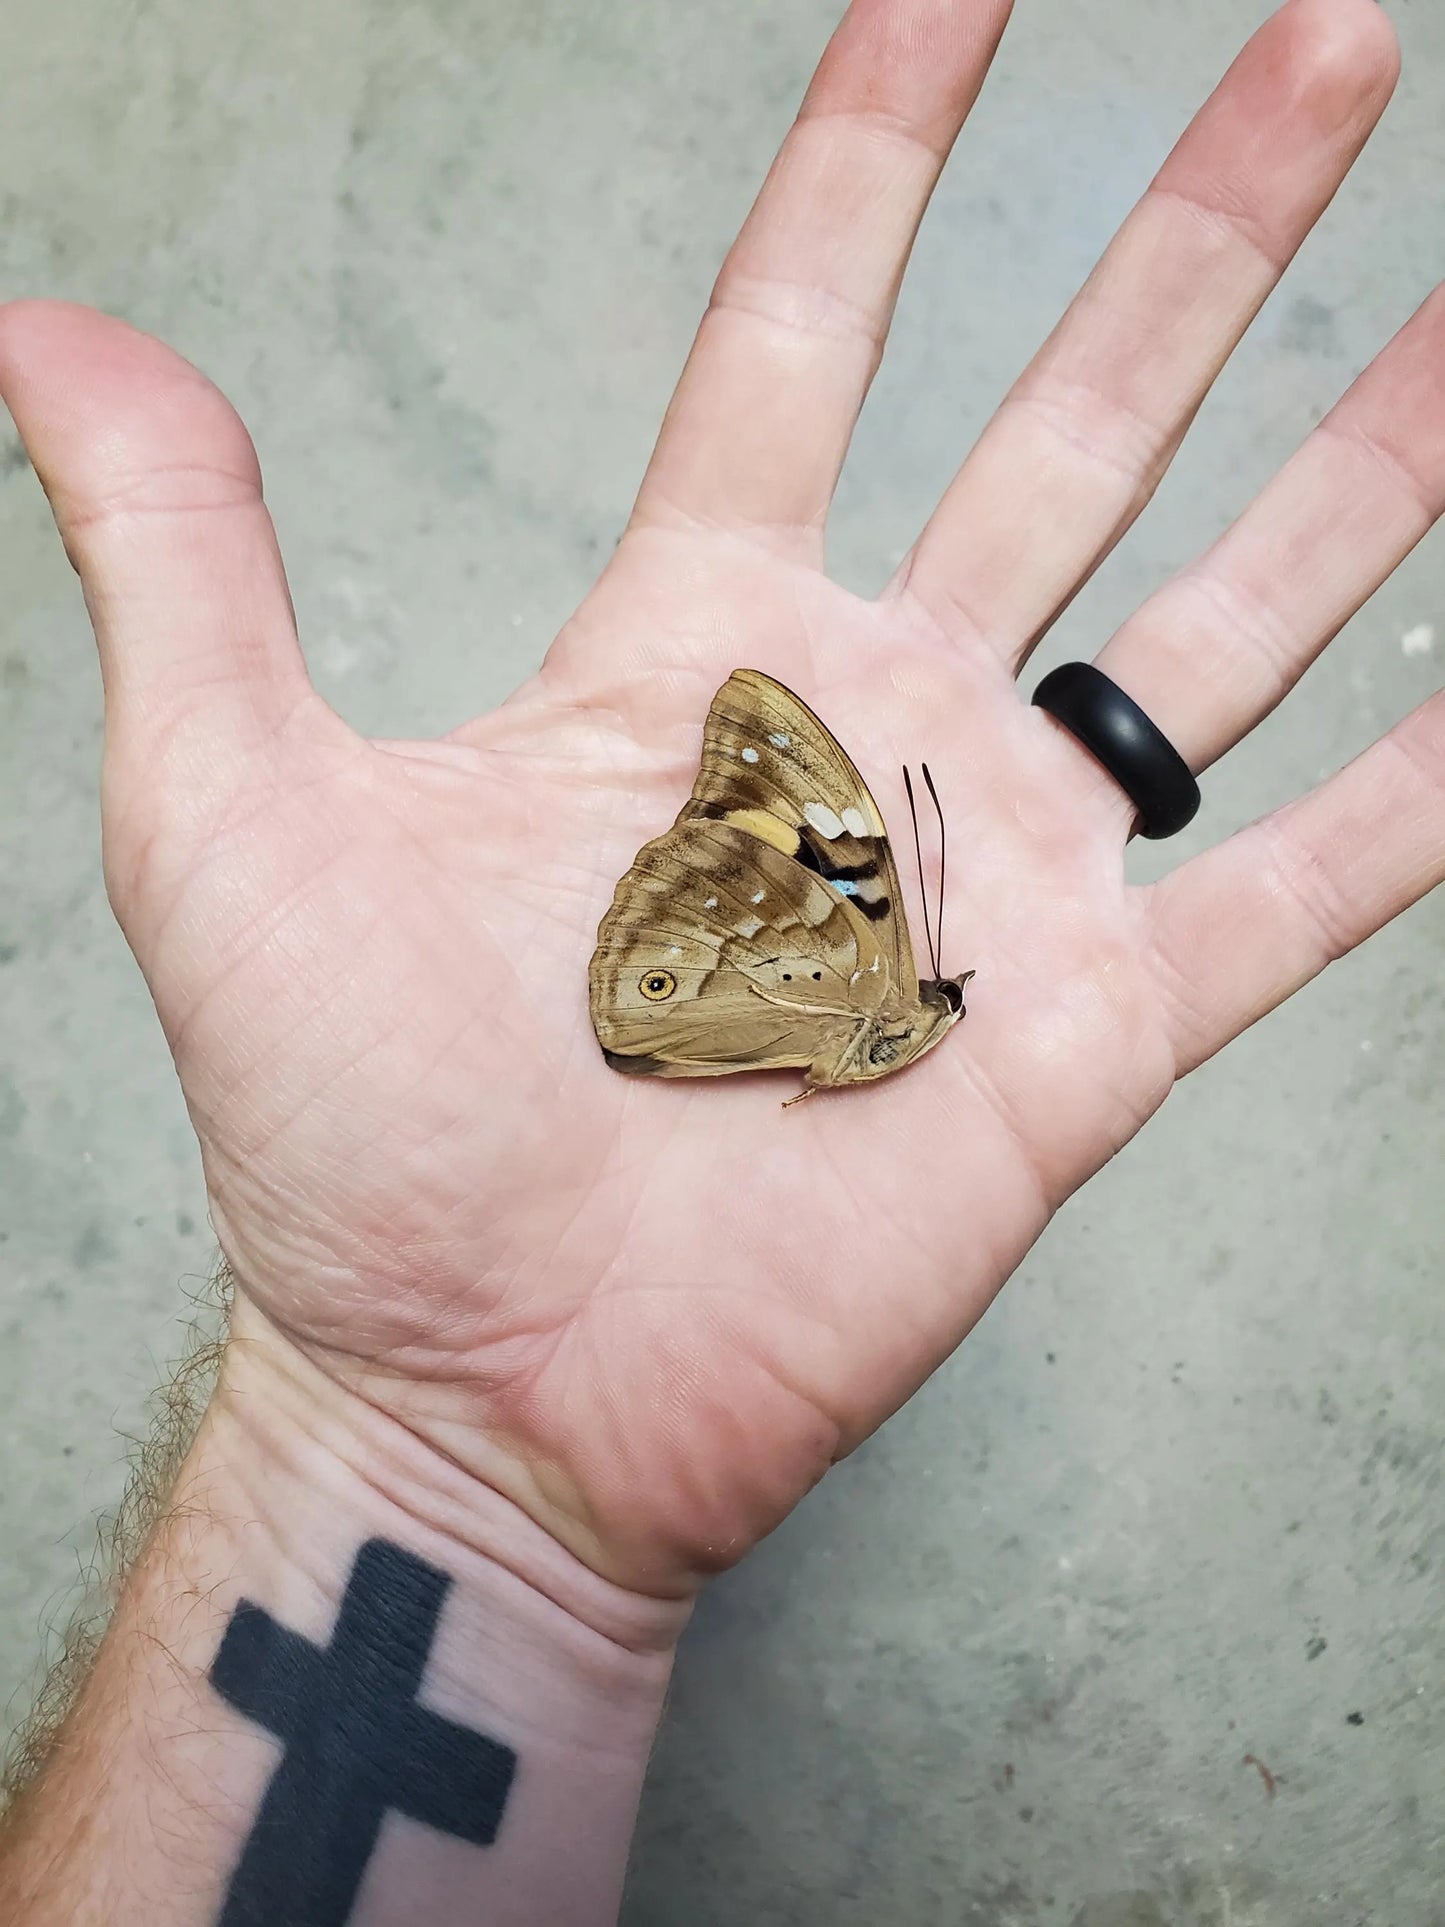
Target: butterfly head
{"x":883,"y":1047}
{"x":950,"y":990}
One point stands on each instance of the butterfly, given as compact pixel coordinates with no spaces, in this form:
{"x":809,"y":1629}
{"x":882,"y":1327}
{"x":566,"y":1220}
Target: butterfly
{"x":766,"y":929}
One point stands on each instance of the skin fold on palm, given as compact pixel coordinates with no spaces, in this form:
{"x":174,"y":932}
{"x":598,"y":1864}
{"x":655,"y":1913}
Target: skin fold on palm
{"x":654,"y":1313}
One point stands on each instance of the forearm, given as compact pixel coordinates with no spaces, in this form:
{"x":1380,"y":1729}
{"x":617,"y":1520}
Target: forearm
{"x":462,"y":1740}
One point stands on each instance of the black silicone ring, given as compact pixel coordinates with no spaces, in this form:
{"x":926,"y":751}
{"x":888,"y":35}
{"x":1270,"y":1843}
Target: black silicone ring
{"x":1114,"y":729}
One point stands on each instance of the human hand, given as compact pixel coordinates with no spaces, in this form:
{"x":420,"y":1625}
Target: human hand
{"x":653,"y":1313}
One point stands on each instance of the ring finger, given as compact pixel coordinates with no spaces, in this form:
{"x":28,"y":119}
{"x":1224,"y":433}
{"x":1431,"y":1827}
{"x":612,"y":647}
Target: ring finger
{"x":1217,"y":647}
{"x":1082,"y":441}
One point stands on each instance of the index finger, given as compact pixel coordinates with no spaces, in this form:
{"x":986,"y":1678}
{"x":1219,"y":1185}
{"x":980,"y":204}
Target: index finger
{"x":757,"y":430}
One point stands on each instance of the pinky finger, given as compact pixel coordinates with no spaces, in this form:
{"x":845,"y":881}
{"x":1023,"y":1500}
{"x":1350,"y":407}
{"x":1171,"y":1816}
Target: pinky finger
{"x":1241,"y":928}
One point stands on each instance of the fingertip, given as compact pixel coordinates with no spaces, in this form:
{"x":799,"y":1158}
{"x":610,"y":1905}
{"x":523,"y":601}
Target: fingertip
{"x":1295,"y":109}
{"x":26,"y":319}
{"x":45,"y":341}
{"x":919,"y":63}
{"x":1341,"y":55}
{"x":101,"y":404}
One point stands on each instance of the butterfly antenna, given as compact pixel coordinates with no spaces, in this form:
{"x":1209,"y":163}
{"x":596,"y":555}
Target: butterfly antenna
{"x":942,"y":861}
{"x":918,"y":852}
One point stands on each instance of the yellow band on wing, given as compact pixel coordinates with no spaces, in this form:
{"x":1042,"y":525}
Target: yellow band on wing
{"x":769,"y":828}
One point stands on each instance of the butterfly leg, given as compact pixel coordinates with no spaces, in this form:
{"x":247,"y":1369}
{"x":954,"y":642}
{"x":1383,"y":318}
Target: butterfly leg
{"x":836,"y":1063}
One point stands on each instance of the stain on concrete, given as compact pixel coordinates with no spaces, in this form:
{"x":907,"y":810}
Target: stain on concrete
{"x":13,"y":1108}
{"x":991,"y":1902}
{"x":1135,"y":1909}
{"x":93,"y":1247}
{"x":1309,"y":327}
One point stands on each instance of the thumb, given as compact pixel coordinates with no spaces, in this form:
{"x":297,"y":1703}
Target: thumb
{"x":156,"y":492}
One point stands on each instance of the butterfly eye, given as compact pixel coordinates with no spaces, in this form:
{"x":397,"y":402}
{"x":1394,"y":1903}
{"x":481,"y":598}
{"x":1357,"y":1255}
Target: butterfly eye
{"x":657,"y":985}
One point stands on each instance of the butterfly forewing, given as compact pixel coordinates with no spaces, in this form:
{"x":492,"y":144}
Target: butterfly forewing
{"x":771,"y":767}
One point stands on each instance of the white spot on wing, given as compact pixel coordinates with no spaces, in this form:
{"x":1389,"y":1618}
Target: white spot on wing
{"x":750,"y":755}
{"x":674,"y":950}
{"x":826,"y":822}
{"x":1420,"y":640}
{"x":874,"y":964}
{"x":758,"y":897}
{"x":855,"y":823}
{"x":750,"y":926}
{"x":780,"y":741}
{"x":711,"y":904}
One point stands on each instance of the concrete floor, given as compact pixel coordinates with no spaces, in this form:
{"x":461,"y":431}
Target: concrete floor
{"x":1180,"y":1500}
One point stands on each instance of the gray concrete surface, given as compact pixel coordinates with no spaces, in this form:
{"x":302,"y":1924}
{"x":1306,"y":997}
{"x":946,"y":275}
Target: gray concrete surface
{"x":1179,"y":1501}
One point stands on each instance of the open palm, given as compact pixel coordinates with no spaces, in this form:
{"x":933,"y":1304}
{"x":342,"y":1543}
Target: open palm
{"x":654,"y":1312}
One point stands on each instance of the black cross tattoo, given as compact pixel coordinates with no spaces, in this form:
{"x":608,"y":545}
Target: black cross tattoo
{"x":357,"y":1743}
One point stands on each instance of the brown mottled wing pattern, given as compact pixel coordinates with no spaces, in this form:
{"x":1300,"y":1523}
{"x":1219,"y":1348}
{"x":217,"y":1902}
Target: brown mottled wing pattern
{"x":723,"y":953}
{"x":770,"y":767}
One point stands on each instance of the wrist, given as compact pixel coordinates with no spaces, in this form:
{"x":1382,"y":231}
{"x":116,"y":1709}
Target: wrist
{"x":320,"y":1465}
{"x":529,"y":1687}
{"x":344,"y":1683}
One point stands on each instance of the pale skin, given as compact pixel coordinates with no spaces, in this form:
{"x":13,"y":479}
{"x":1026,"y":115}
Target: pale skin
{"x":596,"y":1335}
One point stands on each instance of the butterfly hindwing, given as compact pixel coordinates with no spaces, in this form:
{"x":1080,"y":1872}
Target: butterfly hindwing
{"x":721,"y":952}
